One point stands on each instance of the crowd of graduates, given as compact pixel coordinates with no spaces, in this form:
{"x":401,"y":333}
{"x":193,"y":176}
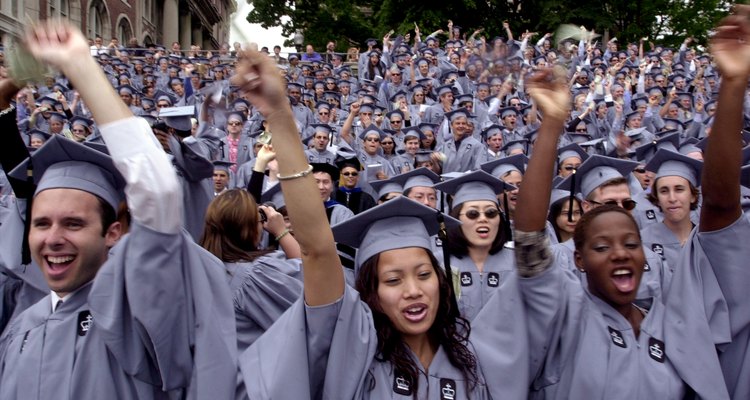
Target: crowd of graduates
{"x":521,"y":217}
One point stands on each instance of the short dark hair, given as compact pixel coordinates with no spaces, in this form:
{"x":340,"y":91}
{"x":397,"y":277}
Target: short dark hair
{"x":581,"y":232}
{"x":107,"y":213}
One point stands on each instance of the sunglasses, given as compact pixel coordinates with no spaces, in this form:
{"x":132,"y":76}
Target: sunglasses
{"x":387,"y":143}
{"x":162,"y":105}
{"x":491,"y":213}
{"x":372,"y":139}
{"x":234,"y":123}
{"x":570,"y":167}
{"x":350,"y":173}
{"x":398,"y":121}
{"x":640,"y":170}
{"x":627,"y":204}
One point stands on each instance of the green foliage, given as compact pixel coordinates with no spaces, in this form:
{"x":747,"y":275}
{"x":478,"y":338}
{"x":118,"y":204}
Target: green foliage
{"x":351,"y":22}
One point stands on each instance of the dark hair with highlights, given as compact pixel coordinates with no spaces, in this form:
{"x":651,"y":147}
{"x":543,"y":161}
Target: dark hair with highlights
{"x":452,"y":333}
{"x":231,"y":230}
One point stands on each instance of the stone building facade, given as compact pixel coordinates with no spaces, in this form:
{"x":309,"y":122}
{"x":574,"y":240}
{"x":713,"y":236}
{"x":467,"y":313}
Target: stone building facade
{"x":201,"y":22}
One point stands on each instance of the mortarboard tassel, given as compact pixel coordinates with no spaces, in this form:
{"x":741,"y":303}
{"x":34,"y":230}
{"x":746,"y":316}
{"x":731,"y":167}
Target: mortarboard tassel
{"x":25,"y":249}
{"x":572,"y":195}
{"x":221,"y":146}
{"x":506,"y":220}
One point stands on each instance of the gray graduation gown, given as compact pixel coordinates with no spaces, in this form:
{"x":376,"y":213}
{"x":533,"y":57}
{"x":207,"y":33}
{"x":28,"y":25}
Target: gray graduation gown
{"x":655,"y":280}
{"x":663,"y":242}
{"x":262,"y":290}
{"x":478,"y":287}
{"x":709,"y":311}
{"x":155,"y":323}
{"x":582,"y":348}
{"x":464,"y":158}
{"x":328,"y":352}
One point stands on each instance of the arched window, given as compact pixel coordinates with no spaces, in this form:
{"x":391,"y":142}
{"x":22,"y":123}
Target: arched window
{"x":98,"y":20}
{"x":124,"y":31}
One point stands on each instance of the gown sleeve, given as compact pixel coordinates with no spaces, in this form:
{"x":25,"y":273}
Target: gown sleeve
{"x":160,"y":301}
{"x":313,"y":352}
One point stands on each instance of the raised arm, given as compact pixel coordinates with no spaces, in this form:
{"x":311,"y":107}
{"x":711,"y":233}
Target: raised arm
{"x":548,"y":89}
{"x":323,"y":278}
{"x":730,"y":47}
{"x":153,"y":192}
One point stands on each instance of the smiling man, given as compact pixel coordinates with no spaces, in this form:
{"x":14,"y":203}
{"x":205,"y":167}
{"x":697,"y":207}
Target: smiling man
{"x":120,"y":320}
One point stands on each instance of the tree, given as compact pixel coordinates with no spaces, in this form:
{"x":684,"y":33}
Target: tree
{"x":351,"y":22}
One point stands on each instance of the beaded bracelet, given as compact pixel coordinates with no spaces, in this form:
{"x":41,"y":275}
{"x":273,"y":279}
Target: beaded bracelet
{"x":282,"y":234}
{"x":302,"y":174}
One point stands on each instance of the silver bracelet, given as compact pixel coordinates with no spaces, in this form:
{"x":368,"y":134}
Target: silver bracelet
{"x":302,"y":174}
{"x":8,"y":110}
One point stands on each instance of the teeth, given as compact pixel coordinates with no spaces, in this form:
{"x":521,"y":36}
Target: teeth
{"x":59,"y":260}
{"x":621,"y":272}
{"x":414,"y":310}
{"x":483,"y":230}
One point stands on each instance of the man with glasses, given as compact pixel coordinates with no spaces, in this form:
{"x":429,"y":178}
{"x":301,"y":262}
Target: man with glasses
{"x":602,"y":180}
{"x":349,"y":193}
{"x":236,"y":147}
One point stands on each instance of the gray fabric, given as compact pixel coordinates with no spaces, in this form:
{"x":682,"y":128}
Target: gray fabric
{"x":262,"y":290}
{"x":341,"y":365}
{"x":708,"y":301}
{"x":149,"y":337}
{"x":478,"y":287}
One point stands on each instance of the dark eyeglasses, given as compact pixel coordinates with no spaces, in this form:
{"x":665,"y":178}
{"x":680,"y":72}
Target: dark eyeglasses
{"x":398,"y":121}
{"x":372,"y":139}
{"x":570,"y":167}
{"x":162,"y":105}
{"x":392,"y":74}
{"x":640,"y":170}
{"x":387,"y":143}
{"x":627,"y":204}
{"x":490,"y":213}
{"x":350,"y":173}
{"x":234,"y":123}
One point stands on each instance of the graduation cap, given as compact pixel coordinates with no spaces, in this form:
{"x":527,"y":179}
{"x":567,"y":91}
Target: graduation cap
{"x":178,"y":117}
{"x":671,"y":163}
{"x":235,"y":116}
{"x":385,"y":186}
{"x":63,"y":163}
{"x":222,"y":165}
{"x":41,"y":135}
{"x":689,"y":146}
{"x":325,"y":128}
{"x":85,"y":122}
{"x":444,"y":89}
{"x":57,"y":117}
{"x":367,"y":107}
{"x":668,"y":142}
{"x":397,"y":224}
{"x":412,"y":131}
{"x":423,"y":156}
{"x":346,"y":161}
{"x":240,"y":104}
{"x":321,"y":105}
{"x":571,"y":150}
{"x":164,"y":96}
{"x":427,"y":127}
{"x":459,"y":113}
{"x":519,"y":144}
{"x":370,"y":130}
{"x":422,"y":177}
{"x":398,"y":112}
{"x":502,"y":166}
{"x":507,"y":111}
{"x":464,"y":98}
{"x":474,"y":186}
{"x":491,"y":131}
{"x":594,"y":172}
{"x":330,"y":169}
{"x":273,"y":195}
{"x":126,"y":89}
{"x":397,"y":95}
